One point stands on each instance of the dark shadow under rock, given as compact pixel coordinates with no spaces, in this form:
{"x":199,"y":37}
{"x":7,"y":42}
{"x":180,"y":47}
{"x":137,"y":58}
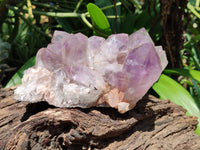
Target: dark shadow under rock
{"x":34,"y":108}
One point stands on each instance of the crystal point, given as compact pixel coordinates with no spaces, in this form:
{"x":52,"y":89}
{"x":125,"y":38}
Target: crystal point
{"x":76,"y":71}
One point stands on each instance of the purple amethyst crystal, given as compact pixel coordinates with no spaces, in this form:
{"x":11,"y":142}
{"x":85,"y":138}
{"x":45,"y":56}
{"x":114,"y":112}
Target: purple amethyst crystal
{"x":76,"y":71}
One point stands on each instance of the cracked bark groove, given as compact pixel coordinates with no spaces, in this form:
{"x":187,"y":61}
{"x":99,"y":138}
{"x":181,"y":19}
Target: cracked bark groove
{"x":172,"y":18}
{"x":152,"y":125}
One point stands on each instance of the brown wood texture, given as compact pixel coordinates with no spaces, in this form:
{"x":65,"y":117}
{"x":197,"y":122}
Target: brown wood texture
{"x":152,"y":125}
{"x":172,"y":19}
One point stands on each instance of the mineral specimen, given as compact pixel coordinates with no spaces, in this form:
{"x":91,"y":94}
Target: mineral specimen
{"x":76,"y":71}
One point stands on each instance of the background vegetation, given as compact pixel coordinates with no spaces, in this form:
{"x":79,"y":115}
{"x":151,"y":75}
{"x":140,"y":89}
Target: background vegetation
{"x":28,"y":25}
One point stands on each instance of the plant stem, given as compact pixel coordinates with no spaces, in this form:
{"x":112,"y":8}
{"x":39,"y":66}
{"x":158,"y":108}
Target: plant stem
{"x":111,"y":6}
{"x":197,"y":3}
{"x":106,"y":7}
{"x":83,"y":17}
{"x":30,"y":12}
{"x":192,"y":9}
{"x":113,"y":17}
{"x":198,"y":8}
{"x":34,"y":27}
{"x":48,"y":6}
{"x":30,"y":24}
{"x":136,"y":3}
{"x":50,"y":14}
{"x":60,"y":14}
{"x":78,"y":5}
{"x":55,"y":14}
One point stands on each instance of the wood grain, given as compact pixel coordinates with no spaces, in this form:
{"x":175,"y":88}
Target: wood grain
{"x":152,"y":125}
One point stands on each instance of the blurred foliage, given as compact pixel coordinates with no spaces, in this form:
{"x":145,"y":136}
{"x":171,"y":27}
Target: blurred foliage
{"x":4,"y":50}
{"x":27,"y":25}
{"x":191,"y":54}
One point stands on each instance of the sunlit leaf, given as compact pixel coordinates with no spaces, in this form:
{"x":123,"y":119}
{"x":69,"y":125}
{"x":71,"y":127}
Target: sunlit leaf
{"x":185,"y":72}
{"x":167,"y":88}
{"x":99,"y":19}
{"x":16,"y":79}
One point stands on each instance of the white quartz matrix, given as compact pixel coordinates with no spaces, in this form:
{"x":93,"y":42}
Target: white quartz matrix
{"x":77,"y":71}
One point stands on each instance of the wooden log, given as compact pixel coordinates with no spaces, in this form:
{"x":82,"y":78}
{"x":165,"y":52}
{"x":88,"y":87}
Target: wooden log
{"x":153,"y":124}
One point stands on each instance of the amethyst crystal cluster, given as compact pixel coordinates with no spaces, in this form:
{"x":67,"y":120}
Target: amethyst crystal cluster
{"x":77,"y":71}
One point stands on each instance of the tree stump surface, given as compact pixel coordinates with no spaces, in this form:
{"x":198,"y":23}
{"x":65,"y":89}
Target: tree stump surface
{"x":152,"y":125}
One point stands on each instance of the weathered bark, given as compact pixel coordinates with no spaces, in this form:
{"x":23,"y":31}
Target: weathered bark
{"x":172,"y":17}
{"x":152,"y":124}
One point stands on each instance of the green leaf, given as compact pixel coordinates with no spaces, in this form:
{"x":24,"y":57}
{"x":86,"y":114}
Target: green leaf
{"x":197,"y":131}
{"x":167,"y":88}
{"x":196,"y":88}
{"x":16,"y":79}
{"x":110,"y":12}
{"x":185,"y":72}
{"x":98,"y":18}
